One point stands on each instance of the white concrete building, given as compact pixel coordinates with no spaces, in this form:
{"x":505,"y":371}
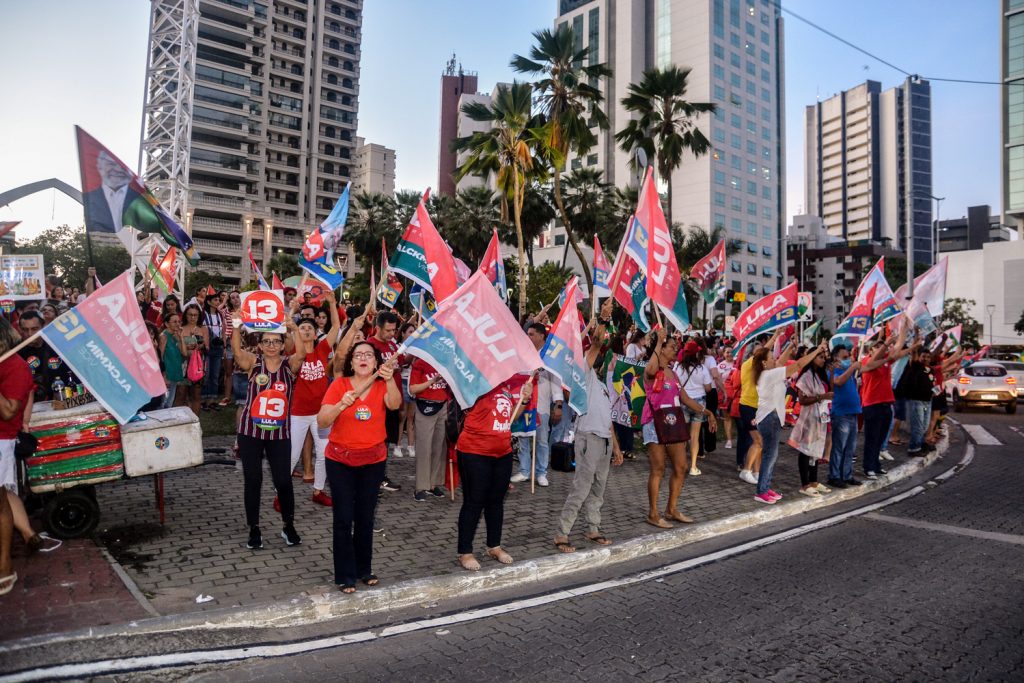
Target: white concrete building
{"x":375,"y":168}
{"x":991,"y":276}
{"x":466,"y":126}
{"x":734,"y":49}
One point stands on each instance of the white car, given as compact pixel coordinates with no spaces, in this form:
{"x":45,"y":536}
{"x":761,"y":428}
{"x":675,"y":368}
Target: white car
{"x":1015,"y":369}
{"x":985,"y":383}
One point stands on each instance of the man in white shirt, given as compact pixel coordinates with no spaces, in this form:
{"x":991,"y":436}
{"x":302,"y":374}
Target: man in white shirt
{"x":596,"y":448}
{"x":549,"y":411}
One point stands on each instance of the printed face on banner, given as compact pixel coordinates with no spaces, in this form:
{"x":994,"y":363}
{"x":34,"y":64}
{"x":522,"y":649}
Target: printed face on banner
{"x":262,"y":310}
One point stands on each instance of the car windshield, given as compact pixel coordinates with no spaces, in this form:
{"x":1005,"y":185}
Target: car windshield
{"x":986,"y":371}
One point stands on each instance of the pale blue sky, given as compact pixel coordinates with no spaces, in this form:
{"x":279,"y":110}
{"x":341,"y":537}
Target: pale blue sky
{"x":67,"y":62}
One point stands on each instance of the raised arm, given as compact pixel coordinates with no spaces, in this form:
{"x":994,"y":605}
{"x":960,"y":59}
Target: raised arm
{"x":332,"y":303}
{"x":802,"y":363}
{"x":346,"y":341}
{"x":244,"y":359}
{"x":298,"y":357}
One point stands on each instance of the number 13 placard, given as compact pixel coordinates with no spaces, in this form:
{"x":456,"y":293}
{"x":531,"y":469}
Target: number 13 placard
{"x":262,"y":310}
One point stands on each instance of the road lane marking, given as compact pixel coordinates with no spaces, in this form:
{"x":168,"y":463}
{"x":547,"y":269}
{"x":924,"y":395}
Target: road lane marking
{"x":981,"y":436}
{"x":266,"y":651}
{"x":948,"y":529}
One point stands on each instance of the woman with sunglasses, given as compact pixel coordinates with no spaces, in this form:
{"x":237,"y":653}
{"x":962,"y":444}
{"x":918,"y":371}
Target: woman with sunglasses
{"x":354,"y":408}
{"x":264,"y":429}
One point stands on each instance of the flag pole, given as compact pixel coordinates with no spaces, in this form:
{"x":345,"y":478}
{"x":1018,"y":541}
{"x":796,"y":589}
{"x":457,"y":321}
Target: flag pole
{"x":20,"y":346}
{"x":533,"y":460}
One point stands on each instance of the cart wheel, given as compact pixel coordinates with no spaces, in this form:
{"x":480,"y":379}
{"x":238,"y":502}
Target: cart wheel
{"x":71,"y":514}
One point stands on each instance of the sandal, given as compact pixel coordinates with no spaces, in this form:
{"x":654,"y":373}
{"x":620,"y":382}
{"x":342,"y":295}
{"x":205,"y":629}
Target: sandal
{"x":224,"y":402}
{"x":564,"y":547}
{"x":347,"y":588}
{"x":600,"y":539}
{"x":680,"y":517}
{"x":469,"y":563}
{"x":661,"y":523}
{"x":7,"y":583}
{"x":370,"y":580}
{"x":500,"y":555}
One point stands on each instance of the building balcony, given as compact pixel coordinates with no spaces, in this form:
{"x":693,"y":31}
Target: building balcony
{"x":202,"y":199}
{"x":230,"y":270}
{"x":218,"y":247}
{"x":217,"y":226}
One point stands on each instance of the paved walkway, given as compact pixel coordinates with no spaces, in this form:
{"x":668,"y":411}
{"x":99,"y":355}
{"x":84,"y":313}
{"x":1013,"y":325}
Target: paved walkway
{"x":200,"y":551}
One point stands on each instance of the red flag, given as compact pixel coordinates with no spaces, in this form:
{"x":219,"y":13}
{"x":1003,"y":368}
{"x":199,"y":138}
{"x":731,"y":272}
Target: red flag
{"x":766,"y":314}
{"x":493,"y":267}
{"x":210,"y":291}
{"x":440,"y":264}
{"x":276,"y":281}
{"x":663,"y":280}
{"x":709,"y":273}
{"x":623,"y":272}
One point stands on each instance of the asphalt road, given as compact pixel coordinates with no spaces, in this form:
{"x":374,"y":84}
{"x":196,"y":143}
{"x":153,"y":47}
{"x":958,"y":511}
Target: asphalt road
{"x":930,"y":588}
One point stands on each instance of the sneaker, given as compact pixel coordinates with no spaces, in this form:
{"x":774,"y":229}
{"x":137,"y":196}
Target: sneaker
{"x":764,"y":498}
{"x":290,"y":536}
{"x":728,"y":444}
{"x":518,"y":477}
{"x":822,"y":488}
{"x":438,"y":492}
{"x":694,"y":472}
{"x":321,"y":498}
{"x":853,"y":482}
{"x":388,"y":485}
{"x":412,"y":451}
{"x":811,"y":492}
{"x":774,"y":494}
{"x":255,"y":538}
{"x":748,"y":476}
{"x":542,"y":480}
{"x":919,"y":453}
{"x":397,"y":452}
{"x":277,"y":505}
{"x":886,"y":455}
{"x":871,"y":475}
{"x":421,"y":496}
{"x":927,"y":448}
{"x":837,"y":483}
{"x":882,"y":470}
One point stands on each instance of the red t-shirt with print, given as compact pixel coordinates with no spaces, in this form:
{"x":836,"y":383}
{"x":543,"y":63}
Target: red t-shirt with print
{"x":361,"y":425}
{"x":312,"y":381}
{"x":421,"y":372}
{"x":876,"y":386}
{"x":488,"y":426}
{"x":16,"y":384}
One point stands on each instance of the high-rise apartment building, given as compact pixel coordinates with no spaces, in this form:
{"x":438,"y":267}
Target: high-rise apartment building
{"x":868,"y":163}
{"x":1012,"y":99}
{"x":455,"y":82}
{"x":734,"y":49}
{"x":466,"y":126}
{"x":273,"y":125}
{"x":375,"y":168}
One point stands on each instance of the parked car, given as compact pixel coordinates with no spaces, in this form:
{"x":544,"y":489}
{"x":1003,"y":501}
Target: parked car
{"x":1015,"y":368}
{"x":985,"y":383}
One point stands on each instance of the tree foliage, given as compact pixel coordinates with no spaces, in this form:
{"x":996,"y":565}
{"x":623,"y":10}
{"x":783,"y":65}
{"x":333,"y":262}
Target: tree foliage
{"x":956,"y":311}
{"x":65,"y":255}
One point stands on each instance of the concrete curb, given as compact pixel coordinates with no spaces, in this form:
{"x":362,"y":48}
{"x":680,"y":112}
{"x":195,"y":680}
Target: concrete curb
{"x":430,"y":592}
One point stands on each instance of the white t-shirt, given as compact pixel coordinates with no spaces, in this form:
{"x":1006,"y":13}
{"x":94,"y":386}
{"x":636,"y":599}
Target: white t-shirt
{"x":598,"y":418}
{"x":693,"y":380}
{"x":725,"y":368}
{"x":711,"y":366}
{"x":634,"y":351}
{"x":771,"y":394}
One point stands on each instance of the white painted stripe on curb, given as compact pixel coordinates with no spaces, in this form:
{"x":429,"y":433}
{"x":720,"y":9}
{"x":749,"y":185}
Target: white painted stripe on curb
{"x":981,"y":436}
{"x":113,"y":666}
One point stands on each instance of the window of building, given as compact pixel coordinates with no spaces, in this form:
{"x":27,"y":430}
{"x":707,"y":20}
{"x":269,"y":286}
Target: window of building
{"x":719,"y":178}
{"x":560,"y":239}
{"x":736,"y":162}
{"x":719,"y":51}
{"x":749,"y":29}
{"x":766,"y":289}
{"x":719,"y":114}
{"x":719,"y":93}
{"x":735,"y":141}
{"x":720,"y":199}
{"x":748,"y":47}
{"x":752,"y":289}
{"x":735,"y":80}
{"x":735,"y":182}
{"x":766,"y":212}
{"x":719,"y":135}
{"x":751,"y":89}
{"x":751,"y":69}
{"x":764,"y":56}
{"x":766,"y":75}
{"x":752,"y":229}
{"x":718,"y":72}
{"x":766,"y":133}
{"x":718,"y":18}
{"x":751,"y":269}
{"x":766,"y":250}
{"x":736,"y":203}
{"x":766,"y":192}
{"x":766,"y":95}
{"x":736,"y":266}
{"x":751,"y":107}
{"x":752,"y":187}
{"x":720,"y":221}
{"x":765,"y":38}
{"x":736,"y":226}
{"x":767,"y":232}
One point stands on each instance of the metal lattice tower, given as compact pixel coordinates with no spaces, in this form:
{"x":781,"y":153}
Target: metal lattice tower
{"x":167,"y":111}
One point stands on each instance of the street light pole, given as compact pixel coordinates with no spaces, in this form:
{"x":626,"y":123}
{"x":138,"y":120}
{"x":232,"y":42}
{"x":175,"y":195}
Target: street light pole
{"x":991,"y":310}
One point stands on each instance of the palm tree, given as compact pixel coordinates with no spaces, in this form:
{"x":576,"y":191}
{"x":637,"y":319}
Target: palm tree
{"x":696,"y":243}
{"x":568,"y":96}
{"x":374,"y":216}
{"x":506,"y":146}
{"x":588,"y":199}
{"x":666,"y":127}
{"x":474,"y":213}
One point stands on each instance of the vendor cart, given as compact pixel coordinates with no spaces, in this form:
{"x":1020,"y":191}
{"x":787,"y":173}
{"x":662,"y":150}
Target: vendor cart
{"x":84,"y":446}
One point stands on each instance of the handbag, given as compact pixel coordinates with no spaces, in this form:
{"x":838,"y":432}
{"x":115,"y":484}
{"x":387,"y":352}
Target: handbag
{"x":195,"y":370}
{"x":25,"y":445}
{"x":670,"y":424}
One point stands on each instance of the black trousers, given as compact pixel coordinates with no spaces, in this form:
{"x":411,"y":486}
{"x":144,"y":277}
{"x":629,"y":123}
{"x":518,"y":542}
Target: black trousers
{"x":877,"y":420}
{"x":354,"y":491}
{"x":485,"y":482}
{"x":278,"y":454}
{"x":624,"y":434}
{"x":808,"y":472}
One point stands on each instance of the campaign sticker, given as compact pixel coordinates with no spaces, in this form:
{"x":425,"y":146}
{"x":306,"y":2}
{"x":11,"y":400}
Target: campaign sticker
{"x":53,"y":363}
{"x":262,"y":379}
{"x":33,"y":362}
{"x":102,"y":432}
{"x":363,"y":414}
{"x":269,"y":410}
{"x":162,"y":443}
{"x":6,"y":305}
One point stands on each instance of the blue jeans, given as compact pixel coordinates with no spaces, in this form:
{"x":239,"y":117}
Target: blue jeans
{"x":769,"y":428}
{"x":211,"y":384}
{"x":172,"y":391}
{"x":844,"y":445}
{"x":877,"y":423}
{"x":918,"y":414}
{"x":543,"y":450}
{"x":559,"y":430}
{"x":743,"y":439}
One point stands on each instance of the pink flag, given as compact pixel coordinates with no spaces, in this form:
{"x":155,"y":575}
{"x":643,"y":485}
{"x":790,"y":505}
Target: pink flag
{"x":709,"y":274}
{"x":440,"y":264}
{"x":563,"y":349}
{"x":473,"y":341}
{"x":663,"y":280}
{"x":494,"y":267}
{"x":623,"y":272}
{"x":602,"y":271}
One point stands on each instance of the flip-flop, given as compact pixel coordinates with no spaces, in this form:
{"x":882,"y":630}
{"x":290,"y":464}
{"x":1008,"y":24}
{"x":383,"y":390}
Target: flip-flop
{"x":347,"y":588}
{"x":47,"y":537}
{"x":7,"y":583}
{"x":600,"y":539}
{"x":662,"y":523}
{"x":565,"y":547}
{"x":370,"y":580}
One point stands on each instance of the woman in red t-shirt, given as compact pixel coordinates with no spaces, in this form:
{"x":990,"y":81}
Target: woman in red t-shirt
{"x":485,"y":467}
{"x":354,"y":408}
{"x":430,"y":394}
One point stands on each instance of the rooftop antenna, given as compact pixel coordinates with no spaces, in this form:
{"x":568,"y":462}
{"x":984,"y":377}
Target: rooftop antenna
{"x":449,"y":67}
